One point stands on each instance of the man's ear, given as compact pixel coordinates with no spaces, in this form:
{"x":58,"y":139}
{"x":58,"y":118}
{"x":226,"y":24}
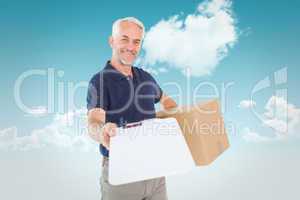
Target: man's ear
{"x":110,"y":41}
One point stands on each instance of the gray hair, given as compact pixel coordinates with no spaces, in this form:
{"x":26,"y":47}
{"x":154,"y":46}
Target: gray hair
{"x":116,"y":25}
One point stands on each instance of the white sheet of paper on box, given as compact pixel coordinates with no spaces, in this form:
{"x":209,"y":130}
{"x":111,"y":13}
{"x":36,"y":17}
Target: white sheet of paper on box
{"x":154,"y":149}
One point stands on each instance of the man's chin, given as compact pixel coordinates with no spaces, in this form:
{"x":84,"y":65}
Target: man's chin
{"x":125,"y":62}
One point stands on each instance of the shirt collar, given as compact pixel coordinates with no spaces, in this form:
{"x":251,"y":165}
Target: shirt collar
{"x":117,"y":74}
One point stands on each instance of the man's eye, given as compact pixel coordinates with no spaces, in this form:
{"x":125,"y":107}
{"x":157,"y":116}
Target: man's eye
{"x":124,"y":40}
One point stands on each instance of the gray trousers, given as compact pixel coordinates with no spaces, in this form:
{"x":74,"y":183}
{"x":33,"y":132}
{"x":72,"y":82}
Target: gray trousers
{"x":153,"y":189}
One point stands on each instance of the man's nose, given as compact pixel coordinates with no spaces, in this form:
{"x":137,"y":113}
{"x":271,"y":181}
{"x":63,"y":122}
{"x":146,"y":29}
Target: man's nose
{"x":131,"y":46}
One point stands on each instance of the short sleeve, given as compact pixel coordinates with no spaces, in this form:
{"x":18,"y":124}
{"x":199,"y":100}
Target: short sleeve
{"x":157,"y":89}
{"x":97,"y":94}
{"x":158,"y":94}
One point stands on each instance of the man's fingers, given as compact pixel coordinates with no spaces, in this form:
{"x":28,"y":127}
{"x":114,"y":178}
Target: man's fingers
{"x":112,"y":129}
{"x":112,"y":132}
{"x":109,"y":130}
{"x":106,"y":139}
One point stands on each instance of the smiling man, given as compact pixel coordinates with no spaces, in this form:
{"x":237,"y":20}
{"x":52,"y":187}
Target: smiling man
{"x":120,"y":94}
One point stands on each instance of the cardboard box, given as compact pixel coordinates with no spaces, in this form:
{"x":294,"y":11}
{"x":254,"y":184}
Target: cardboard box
{"x":203,"y":129}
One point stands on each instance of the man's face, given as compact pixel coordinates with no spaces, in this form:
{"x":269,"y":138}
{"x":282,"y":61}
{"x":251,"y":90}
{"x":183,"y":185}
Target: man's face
{"x":127,"y":43}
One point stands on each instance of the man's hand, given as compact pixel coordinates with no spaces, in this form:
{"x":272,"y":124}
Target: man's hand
{"x":107,"y":131}
{"x":167,"y":102}
{"x":98,"y":130}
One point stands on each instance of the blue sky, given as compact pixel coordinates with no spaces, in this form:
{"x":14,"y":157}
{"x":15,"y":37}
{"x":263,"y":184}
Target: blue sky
{"x":71,"y":36}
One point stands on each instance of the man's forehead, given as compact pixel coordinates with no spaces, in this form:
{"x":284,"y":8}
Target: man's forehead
{"x":127,"y":28}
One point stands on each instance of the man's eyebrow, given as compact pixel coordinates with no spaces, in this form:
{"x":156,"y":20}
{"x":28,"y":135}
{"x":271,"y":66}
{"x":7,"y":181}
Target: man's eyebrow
{"x":136,"y":40}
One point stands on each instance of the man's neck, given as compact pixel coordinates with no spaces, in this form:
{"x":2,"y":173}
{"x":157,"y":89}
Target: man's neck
{"x":124,"y":69}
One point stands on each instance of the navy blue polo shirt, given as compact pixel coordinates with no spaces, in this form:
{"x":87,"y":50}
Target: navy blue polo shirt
{"x":125,"y":99}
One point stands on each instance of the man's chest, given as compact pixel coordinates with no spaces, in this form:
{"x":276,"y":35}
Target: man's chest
{"x":131,"y":93}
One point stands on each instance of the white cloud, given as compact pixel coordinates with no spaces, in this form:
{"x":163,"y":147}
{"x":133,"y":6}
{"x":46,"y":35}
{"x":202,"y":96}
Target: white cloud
{"x":279,"y":115}
{"x":247,"y":104}
{"x":282,"y":116}
{"x":252,"y":136}
{"x":8,"y":134}
{"x":214,"y":6}
{"x":199,"y":41}
{"x":66,"y":132}
{"x":162,"y":69}
{"x":7,"y":137}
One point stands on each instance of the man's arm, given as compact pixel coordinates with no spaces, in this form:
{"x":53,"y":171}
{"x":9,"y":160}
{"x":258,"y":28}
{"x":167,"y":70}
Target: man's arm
{"x":96,"y":119}
{"x":167,"y":102}
{"x":97,"y":128}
